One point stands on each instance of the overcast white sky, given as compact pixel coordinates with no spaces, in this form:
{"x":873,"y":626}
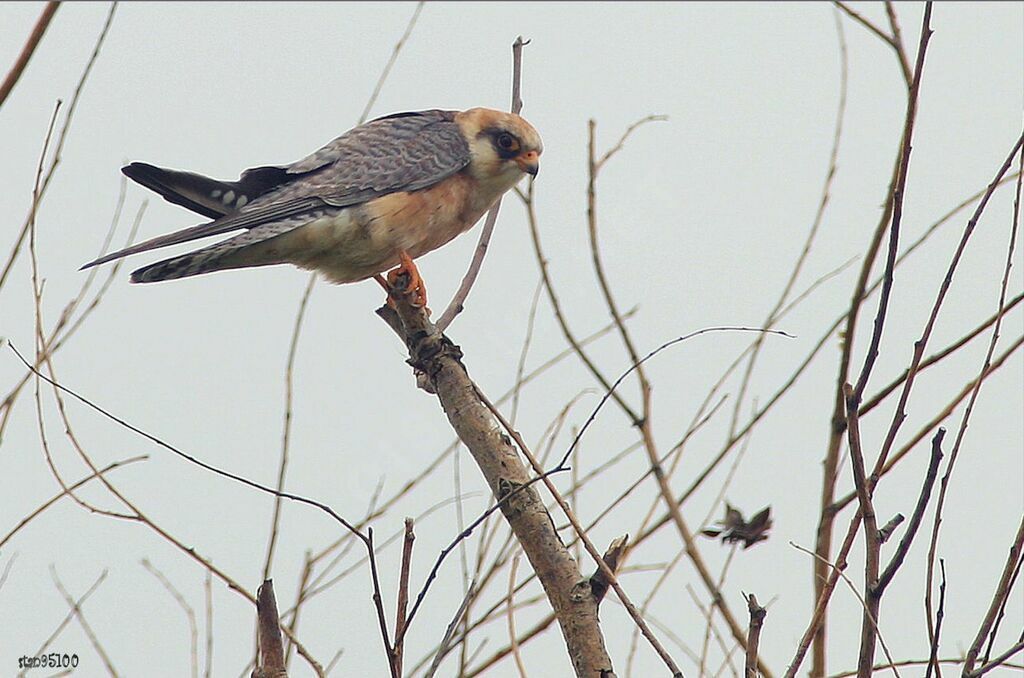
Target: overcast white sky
{"x":701,"y":217}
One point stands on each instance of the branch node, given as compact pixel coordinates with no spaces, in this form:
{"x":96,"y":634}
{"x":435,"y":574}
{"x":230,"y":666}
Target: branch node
{"x":886,"y":530}
{"x":599,"y":582}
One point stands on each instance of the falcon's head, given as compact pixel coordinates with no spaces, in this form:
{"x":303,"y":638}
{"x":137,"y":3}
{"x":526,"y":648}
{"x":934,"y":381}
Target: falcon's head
{"x":503,"y":145}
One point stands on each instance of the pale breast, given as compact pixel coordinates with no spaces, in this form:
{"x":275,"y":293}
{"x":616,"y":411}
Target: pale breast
{"x":364,"y":240}
{"x":421,"y":221}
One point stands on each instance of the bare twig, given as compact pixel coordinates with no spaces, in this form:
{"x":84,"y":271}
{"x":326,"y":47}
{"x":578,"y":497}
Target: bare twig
{"x":919,"y":348}
{"x":7,"y":570}
{"x":897,"y":208}
{"x":286,"y":436}
{"x":90,"y":634}
{"x":853,"y":396}
{"x":757,"y":614}
{"x":61,"y":138}
{"x":190,"y":614}
{"x":403,"y":595}
{"x":456,"y":305}
{"x":869,"y":619}
{"x":208,"y":590}
{"x":512,"y":635}
{"x":915,"y":519}
{"x":391,"y":62}
{"x":26,"y":52}
{"x":556,"y":307}
{"x":897,"y":40}
{"x":1002,"y":610}
{"x":449,"y":632}
{"x":1001,"y":593}
{"x":936,"y":633}
{"x":998,"y":661}
{"x":610,"y":392}
{"x":63,"y":493}
{"x":826,"y":193}
{"x":838,"y":572}
{"x":823,"y":543}
{"x":887,"y":39}
{"x":77,"y":605}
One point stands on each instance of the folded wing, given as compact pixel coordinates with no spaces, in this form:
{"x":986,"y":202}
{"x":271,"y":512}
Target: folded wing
{"x":402,"y":152}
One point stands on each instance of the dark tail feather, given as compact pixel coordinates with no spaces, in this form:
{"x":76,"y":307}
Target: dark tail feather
{"x":195,"y":192}
{"x":203,"y":195}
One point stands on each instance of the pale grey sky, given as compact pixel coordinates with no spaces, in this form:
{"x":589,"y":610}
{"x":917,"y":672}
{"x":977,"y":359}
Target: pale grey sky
{"x":701,"y":218}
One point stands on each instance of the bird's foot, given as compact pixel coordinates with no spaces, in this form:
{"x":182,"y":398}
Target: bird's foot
{"x":406,"y":280}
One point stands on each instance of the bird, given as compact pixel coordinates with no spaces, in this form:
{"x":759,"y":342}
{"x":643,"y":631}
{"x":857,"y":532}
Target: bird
{"x":377,"y":197}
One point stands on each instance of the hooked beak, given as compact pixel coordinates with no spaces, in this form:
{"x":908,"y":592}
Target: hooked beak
{"x":529,"y":162}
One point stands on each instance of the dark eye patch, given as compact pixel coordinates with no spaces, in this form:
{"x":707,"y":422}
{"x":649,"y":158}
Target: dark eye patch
{"x":506,"y":144}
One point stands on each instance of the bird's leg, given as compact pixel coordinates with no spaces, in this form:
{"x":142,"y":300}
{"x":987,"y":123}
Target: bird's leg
{"x":414,"y":285}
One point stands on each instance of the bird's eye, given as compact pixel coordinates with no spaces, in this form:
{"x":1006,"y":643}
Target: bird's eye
{"x":507,"y":141}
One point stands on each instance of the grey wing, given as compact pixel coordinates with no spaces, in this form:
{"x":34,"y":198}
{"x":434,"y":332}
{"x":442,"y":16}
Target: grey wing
{"x":402,"y":152}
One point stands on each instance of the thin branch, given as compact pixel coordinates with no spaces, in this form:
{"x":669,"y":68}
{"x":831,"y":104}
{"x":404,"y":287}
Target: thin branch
{"x":29,"y":48}
{"x":610,"y":392}
{"x":757,"y":614}
{"x":64,"y":493}
{"x":187,"y":457}
{"x":450,"y":631}
{"x":775,"y":314}
{"x":510,"y":614}
{"x":1002,"y":610}
{"x":887,"y":39}
{"x":897,"y":207}
{"x":556,"y":307}
{"x":391,"y":62}
{"x":190,"y":614}
{"x":838,"y":572}
{"x":936,"y":633}
{"x":61,"y":138}
{"x":1001,"y":593}
{"x":208,"y":590}
{"x":70,"y":615}
{"x":998,"y":661}
{"x":403,"y":595}
{"x":897,"y":41}
{"x":456,"y":305}
{"x":919,"y":347}
{"x":90,"y":634}
{"x":915,"y":519}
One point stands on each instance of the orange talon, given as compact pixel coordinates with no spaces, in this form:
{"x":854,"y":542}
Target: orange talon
{"x":414,"y":286}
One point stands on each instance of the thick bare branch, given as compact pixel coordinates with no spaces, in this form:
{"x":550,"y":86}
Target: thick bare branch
{"x":438,"y":358}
